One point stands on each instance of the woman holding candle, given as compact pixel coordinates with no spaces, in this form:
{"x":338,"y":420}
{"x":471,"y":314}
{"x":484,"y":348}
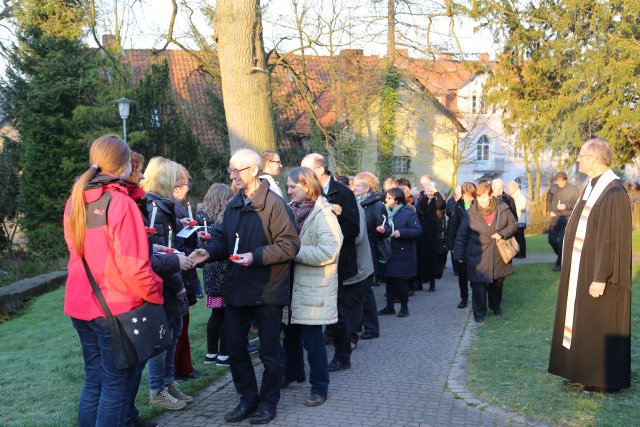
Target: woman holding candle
{"x":400,"y":270}
{"x":183,"y":364}
{"x":315,"y":283}
{"x":160,"y":178}
{"x":211,"y":212}
{"x":116,"y":237}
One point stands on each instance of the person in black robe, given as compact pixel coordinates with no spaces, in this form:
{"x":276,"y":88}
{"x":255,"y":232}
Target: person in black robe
{"x":599,"y":353}
{"x":431,"y":207}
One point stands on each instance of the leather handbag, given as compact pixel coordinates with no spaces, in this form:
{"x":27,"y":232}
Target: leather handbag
{"x":508,"y":248}
{"x":136,"y":335}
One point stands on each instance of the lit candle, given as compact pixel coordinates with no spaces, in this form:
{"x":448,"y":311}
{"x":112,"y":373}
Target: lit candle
{"x":154,"y":211}
{"x":235,"y":248}
{"x":190,"y":212}
{"x":206,"y":232}
{"x":384,"y":221}
{"x":170,"y":236}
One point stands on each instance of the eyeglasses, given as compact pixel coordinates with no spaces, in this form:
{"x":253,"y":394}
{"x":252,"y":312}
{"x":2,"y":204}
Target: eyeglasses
{"x":182,"y":185}
{"x":276,"y":161}
{"x":580,"y":156}
{"x":237,"y":171}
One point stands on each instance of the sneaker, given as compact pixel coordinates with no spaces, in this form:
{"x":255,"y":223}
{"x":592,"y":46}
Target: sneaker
{"x":210,"y":358}
{"x":177,"y":393}
{"x":222,"y":361}
{"x":165,"y":400}
{"x":252,"y":348}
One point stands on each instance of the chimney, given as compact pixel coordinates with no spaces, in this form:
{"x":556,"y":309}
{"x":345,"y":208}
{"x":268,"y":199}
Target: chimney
{"x":484,"y":57}
{"x":404,"y":53}
{"x":351,"y":52}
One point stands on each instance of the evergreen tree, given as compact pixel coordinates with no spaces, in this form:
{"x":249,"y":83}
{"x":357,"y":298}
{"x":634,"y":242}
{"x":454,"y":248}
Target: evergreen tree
{"x":46,"y":80}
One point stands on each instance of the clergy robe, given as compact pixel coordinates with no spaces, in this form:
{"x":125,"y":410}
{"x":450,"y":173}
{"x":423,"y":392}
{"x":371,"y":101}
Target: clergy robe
{"x":600,"y":353}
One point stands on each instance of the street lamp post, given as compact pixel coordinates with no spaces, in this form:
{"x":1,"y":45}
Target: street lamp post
{"x":123,"y":108}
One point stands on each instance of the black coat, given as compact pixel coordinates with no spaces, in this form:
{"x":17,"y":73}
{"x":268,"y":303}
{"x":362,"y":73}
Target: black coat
{"x":429,"y":245}
{"x":478,"y":250}
{"x":190,"y":277}
{"x":508,"y":200}
{"x":349,"y":220}
{"x":373,"y":212}
{"x":166,"y":266}
{"x":266,"y":229}
{"x":457,"y":213}
{"x":403,"y":261}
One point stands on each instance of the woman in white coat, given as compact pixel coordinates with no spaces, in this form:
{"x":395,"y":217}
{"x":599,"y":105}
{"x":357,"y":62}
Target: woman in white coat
{"x":314,"y":300}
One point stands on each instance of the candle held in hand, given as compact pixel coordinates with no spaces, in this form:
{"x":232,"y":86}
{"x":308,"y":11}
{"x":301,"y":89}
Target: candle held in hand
{"x":235,"y":248}
{"x":170,"y":237}
{"x":154,"y":211}
{"x":190,"y":211}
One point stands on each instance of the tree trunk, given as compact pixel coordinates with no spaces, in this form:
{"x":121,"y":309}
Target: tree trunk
{"x":246,"y":83}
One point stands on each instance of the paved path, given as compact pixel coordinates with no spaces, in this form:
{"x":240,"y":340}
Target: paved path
{"x":413,"y":375}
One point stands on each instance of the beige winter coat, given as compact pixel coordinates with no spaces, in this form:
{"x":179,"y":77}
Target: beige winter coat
{"x":315,"y":278}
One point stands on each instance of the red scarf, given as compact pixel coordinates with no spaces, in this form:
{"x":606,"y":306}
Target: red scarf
{"x":301,"y":212}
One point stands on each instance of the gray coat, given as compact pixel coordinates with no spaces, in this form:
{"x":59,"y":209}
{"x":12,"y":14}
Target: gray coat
{"x":478,"y":250}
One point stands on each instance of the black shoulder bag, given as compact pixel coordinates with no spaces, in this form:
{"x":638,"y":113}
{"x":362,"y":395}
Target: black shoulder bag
{"x":136,"y":335}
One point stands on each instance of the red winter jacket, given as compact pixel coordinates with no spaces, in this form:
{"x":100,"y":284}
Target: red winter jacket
{"x":117,"y":251}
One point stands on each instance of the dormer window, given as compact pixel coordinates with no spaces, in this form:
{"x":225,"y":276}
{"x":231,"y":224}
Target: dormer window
{"x":482,"y":148}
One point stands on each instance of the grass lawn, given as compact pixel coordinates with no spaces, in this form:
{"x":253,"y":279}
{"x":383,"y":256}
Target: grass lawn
{"x":538,"y":243}
{"x":43,"y":370}
{"x":508,"y":363}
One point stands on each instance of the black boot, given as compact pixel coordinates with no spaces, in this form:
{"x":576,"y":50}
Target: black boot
{"x":432,"y":285}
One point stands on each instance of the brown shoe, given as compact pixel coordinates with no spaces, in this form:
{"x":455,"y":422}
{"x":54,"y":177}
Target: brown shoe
{"x":315,"y":400}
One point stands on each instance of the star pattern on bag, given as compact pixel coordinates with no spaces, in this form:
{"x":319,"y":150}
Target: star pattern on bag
{"x":134,"y":320}
{"x":135,"y":331}
{"x":144,"y":319}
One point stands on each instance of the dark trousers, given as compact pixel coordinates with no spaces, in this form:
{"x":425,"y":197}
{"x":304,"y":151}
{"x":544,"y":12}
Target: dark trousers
{"x":556,"y":236}
{"x":216,"y":343}
{"x":369,"y":309}
{"x":398,"y":286}
{"x":522,"y":242}
{"x":237,"y":322}
{"x":310,"y":337}
{"x":480,"y":291}
{"x":353,"y":306}
{"x":342,"y":330}
{"x":462,"y":280}
{"x":182,"y":357}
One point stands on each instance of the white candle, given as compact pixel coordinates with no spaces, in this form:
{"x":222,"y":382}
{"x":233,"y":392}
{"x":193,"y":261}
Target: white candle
{"x":235,"y":248}
{"x":154,"y":211}
{"x":392,"y":227}
{"x":206,"y":232}
{"x":384,"y":221}
{"x":170,"y":236}
{"x":190,"y":212}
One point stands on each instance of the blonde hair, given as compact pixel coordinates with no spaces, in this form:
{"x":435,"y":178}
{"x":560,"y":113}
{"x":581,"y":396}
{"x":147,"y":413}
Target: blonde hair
{"x":108,"y":154}
{"x":368,"y":178}
{"x":307,"y":177}
{"x":183,"y":173}
{"x":161,"y":176}
{"x":216,"y":201}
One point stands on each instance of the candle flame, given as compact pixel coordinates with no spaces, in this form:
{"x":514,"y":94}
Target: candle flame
{"x":154,"y":204}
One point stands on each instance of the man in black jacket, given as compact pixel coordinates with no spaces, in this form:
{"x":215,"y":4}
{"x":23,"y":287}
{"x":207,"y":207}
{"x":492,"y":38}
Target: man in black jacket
{"x":497,"y":186}
{"x":260,"y":238}
{"x":561,"y":199}
{"x":339,"y":194}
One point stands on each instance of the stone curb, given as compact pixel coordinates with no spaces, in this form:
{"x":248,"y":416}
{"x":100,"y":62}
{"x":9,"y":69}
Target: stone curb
{"x":14,"y":296}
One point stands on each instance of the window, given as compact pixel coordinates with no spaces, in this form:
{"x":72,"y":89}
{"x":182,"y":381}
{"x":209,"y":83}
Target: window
{"x":474,"y":100}
{"x":482,"y":149}
{"x":518,"y":152}
{"x":400,"y":164}
{"x":483,"y":106}
{"x":155,"y":118}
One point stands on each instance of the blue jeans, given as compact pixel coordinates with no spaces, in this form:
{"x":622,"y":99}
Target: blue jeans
{"x":104,"y":400}
{"x":295,"y":336}
{"x":161,"y":366}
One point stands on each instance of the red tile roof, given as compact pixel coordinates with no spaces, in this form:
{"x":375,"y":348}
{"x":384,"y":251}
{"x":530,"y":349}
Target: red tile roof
{"x":350,"y":78}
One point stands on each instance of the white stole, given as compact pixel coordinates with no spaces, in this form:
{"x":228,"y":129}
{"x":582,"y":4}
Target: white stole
{"x":591,"y":195}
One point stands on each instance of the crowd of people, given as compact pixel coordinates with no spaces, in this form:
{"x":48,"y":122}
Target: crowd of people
{"x":303,"y":269}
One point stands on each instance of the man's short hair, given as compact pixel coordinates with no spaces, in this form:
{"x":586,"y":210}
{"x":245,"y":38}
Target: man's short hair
{"x":267,"y":156}
{"x":318,"y":161}
{"x":249,"y":157}
{"x":601,"y":149}
{"x":468,"y":188}
{"x":562,"y":176}
{"x":403,"y":181}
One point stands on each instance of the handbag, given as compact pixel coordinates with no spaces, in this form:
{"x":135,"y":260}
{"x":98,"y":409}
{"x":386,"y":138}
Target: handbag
{"x":136,"y":335}
{"x":508,"y":248}
{"x":384,"y":248}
